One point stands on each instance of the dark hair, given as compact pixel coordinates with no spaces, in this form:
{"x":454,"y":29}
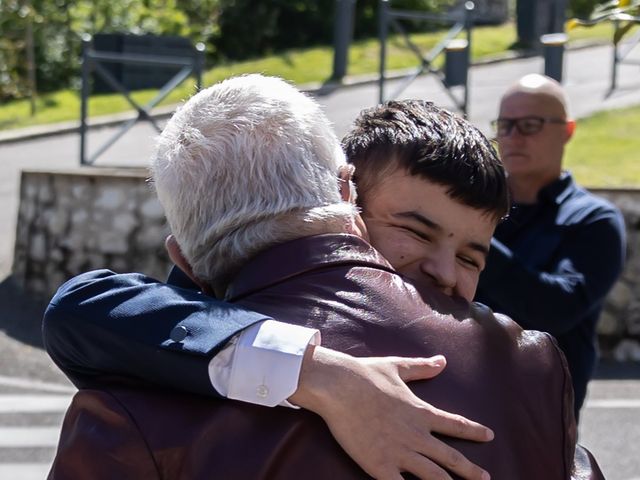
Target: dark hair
{"x":432,"y":143}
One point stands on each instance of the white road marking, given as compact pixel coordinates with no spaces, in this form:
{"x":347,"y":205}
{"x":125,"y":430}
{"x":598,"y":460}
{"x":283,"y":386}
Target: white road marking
{"x":21,"y":437}
{"x":34,"y":403}
{"x":35,"y":384}
{"x":614,"y":403}
{"x":24,"y":471}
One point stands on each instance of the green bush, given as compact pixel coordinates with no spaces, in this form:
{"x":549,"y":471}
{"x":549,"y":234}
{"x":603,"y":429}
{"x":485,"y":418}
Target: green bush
{"x":582,"y":8}
{"x":58,"y":24}
{"x":248,"y":28}
{"x":232,"y":29}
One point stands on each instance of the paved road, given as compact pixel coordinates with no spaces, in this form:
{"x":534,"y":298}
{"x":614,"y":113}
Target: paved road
{"x":33,"y":394}
{"x":30,"y":416}
{"x":610,"y":421}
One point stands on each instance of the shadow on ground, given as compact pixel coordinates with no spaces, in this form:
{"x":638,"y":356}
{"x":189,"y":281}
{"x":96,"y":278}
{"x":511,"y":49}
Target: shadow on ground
{"x":20,"y":314}
{"x":612,"y":370}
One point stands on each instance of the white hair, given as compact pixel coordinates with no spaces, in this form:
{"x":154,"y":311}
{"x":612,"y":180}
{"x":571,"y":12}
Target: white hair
{"x":244,"y":165}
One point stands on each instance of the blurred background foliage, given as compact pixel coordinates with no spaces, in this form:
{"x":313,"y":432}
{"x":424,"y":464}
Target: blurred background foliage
{"x":582,"y":8}
{"x":231,"y":30}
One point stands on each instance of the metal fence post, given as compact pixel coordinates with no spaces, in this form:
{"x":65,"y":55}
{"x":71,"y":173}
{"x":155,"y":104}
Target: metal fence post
{"x":199,"y":67}
{"x":383,"y":30}
{"x":616,"y":59}
{"x":456,"y":62}
{"x":558,"y":15}
{"x":468,"y":24}
{"x":528,"y":22}
{"x":84,"y":96}
{"x":342,"y":35}
{"x":553,"y":46}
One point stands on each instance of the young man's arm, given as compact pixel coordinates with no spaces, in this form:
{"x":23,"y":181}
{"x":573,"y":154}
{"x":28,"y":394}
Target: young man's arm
{"x":101,"y":323}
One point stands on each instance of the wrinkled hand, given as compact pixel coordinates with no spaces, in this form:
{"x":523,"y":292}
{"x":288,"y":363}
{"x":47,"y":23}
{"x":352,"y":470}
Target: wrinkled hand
{"x":379,"y":422}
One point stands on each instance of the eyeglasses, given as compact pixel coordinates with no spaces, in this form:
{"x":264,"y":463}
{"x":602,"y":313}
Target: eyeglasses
{"x":525,"y":125}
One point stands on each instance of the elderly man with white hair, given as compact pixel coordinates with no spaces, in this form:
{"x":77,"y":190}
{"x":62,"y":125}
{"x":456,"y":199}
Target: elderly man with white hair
{"x":247,"y":174}
{"x":237,"y":173}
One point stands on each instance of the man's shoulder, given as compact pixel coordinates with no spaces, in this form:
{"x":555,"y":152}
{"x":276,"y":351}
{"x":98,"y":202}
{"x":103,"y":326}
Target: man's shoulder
{"x":483,"y":313}
{"x":587,"y":197}
{"x":102,"y":276}
{"x":582,"y":206}
{"x":525,"y":340}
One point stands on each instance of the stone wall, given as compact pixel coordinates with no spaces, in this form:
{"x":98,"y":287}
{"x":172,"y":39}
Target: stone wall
{"x":619,"y":325}
{"x":71,"y":222}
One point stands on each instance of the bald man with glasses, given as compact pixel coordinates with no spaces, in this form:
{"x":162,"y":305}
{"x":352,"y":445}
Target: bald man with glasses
{"x":553,"y":261}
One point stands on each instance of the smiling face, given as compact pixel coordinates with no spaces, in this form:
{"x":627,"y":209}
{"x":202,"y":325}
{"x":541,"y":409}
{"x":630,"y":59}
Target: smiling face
{"x":431,"y":188}
{"x":426,"y":235}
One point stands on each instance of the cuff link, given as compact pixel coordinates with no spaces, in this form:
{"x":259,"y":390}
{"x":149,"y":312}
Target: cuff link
{"x":178,"y":334}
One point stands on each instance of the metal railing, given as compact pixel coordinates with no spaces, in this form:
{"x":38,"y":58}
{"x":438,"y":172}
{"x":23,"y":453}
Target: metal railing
{"x":94,"y":61}
{"x":622,"y":49}
{"x":460,"y":20}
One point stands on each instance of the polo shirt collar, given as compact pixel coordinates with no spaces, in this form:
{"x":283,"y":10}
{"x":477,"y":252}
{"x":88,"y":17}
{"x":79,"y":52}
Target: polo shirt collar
{"x":558,"y":190}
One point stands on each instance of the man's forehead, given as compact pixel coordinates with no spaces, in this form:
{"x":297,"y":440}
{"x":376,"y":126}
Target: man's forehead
{"x":411,"y":199}
{"x":520,"y":104}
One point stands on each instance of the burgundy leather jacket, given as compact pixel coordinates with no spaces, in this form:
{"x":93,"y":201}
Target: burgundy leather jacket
{"x":514,"y":381}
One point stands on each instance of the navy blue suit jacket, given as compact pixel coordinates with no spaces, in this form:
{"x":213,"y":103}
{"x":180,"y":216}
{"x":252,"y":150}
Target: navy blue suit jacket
{"x":101,"y":323}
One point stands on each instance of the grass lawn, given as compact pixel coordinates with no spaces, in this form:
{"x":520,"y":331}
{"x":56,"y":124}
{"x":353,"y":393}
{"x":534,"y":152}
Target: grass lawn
{"x":299,"y":66}
{"x":605,"y":149}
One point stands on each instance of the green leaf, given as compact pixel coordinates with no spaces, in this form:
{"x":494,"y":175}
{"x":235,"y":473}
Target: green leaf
{"x":622,"y":30}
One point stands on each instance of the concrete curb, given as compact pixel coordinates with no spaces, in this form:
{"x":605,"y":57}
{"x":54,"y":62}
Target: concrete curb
{"x":40,"y":131}
{"x":320,"y":89}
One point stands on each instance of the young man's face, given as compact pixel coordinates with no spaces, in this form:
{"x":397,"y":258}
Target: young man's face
{"x":427,"y":236}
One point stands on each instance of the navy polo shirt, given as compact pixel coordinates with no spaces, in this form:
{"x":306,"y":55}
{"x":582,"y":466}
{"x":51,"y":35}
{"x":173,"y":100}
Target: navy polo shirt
{"x":550,"y":266}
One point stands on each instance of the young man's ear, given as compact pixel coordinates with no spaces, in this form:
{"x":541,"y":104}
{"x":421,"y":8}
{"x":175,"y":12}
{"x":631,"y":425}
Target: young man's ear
{"x":176,"y":256}
{"x":347,"y":188}
{"x":349,"y":194}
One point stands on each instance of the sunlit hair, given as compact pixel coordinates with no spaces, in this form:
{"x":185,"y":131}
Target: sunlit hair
{"x":243,"y":165}
{"x":432,"y":143}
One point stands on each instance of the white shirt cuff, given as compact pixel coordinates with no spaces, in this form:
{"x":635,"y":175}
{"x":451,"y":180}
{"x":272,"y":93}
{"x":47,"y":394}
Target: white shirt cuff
{"x":261,"y":365}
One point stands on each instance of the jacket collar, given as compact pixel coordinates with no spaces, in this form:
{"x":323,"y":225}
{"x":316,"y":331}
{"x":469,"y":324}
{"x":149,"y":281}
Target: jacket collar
{"x":293,"y":258}
{"x":558,"y":190}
